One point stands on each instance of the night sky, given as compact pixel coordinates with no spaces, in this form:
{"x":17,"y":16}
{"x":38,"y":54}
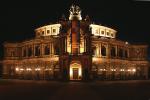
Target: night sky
{"x":19,"y":18}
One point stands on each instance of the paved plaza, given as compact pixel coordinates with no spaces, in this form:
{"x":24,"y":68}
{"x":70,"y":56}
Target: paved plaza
{"x":54,"y":90}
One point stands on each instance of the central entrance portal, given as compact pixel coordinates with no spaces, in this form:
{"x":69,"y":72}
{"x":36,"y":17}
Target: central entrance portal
{"x":75,"y":71}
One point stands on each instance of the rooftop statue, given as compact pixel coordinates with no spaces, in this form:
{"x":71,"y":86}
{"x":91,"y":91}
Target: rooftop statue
{"x":75,"y":11}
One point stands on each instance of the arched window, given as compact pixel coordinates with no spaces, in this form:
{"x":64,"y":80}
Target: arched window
{"x":103,"y":51}
{"x":12,"y":53}
{"x":120,"y":52}
{"x":24,"y":53}
{"x":94,"y":51}
{"x":56,"y":51}
{"x":29,"y":52}
{"x":46,"y":50}
{"x":113,"y":52}
{"x":37,"y":50}
{"x":126,"y":54}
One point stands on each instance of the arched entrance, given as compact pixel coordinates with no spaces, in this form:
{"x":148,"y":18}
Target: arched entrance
{"x":75,"y":71}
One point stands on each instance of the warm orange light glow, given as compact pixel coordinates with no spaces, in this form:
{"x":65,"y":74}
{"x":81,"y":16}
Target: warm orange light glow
{"x":97,"y":31}
{"x":69,"y":49}
{"x":78,"y":66}
{"x":102,"y":69}
{"x":28,"y":69}
{"x":81,"y":49}
{"x":37,"y":69}
{"x":134,"y":70}
{"x":17,"y":69}
{"x":129,"y":70}
{"x":113,"y":69}
{"x":121,"y":69}
{"x":21,"y":69}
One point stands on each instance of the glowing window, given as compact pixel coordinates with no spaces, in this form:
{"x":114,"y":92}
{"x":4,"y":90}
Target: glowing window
{"x":107,"y":33}
{"x":54,"y":30}
{"x":102,"y":32}
{"x":112,"y":35}
{"x":96,"y":31}
{"x":42,"y":32}
{"x":47,"y":31}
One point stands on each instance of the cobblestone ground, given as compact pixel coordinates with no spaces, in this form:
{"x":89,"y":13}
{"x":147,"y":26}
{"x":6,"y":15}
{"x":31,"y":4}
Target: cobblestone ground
{"x":53,"y":90}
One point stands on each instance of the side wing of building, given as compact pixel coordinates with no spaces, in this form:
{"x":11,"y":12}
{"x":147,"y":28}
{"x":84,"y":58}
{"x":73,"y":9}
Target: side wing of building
{"x":114,"y":59}
{"x":32,"y":59}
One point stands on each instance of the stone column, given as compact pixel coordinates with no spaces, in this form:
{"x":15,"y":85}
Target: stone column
{"x":22,"y":51}
{"x":116,"y":52}
{"x":52,"y":48}
{"x":128,"y":53}
{"x":33,"y":50}
{"x":42,"y":49}
{"x":26,"y":51}
{"x":84,"y":44}
{"x":66,"y":44}
{"x":97,"y":50}
{"x":107,"y":51}
{"x":100,"y":45}
{"x":123,"y":52}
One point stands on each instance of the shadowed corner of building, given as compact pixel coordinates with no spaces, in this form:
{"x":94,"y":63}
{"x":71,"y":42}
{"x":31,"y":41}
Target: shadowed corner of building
{"x":1,"y":58}
{"x":0,"y":69}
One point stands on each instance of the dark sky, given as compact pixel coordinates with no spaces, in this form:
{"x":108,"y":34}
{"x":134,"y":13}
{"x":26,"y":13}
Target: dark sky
{"x":19,"y":18}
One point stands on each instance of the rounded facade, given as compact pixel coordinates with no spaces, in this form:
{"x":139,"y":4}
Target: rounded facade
{"x":75,"y":49}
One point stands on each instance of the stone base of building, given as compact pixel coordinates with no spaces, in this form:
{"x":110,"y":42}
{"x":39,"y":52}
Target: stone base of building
{"x":90,"y":78}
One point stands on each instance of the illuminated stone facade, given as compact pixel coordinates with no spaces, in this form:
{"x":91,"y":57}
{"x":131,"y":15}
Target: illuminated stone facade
{"x":75,"y":49}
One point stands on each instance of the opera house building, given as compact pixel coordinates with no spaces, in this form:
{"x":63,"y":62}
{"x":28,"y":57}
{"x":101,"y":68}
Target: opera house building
{"x":75,"y":49}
